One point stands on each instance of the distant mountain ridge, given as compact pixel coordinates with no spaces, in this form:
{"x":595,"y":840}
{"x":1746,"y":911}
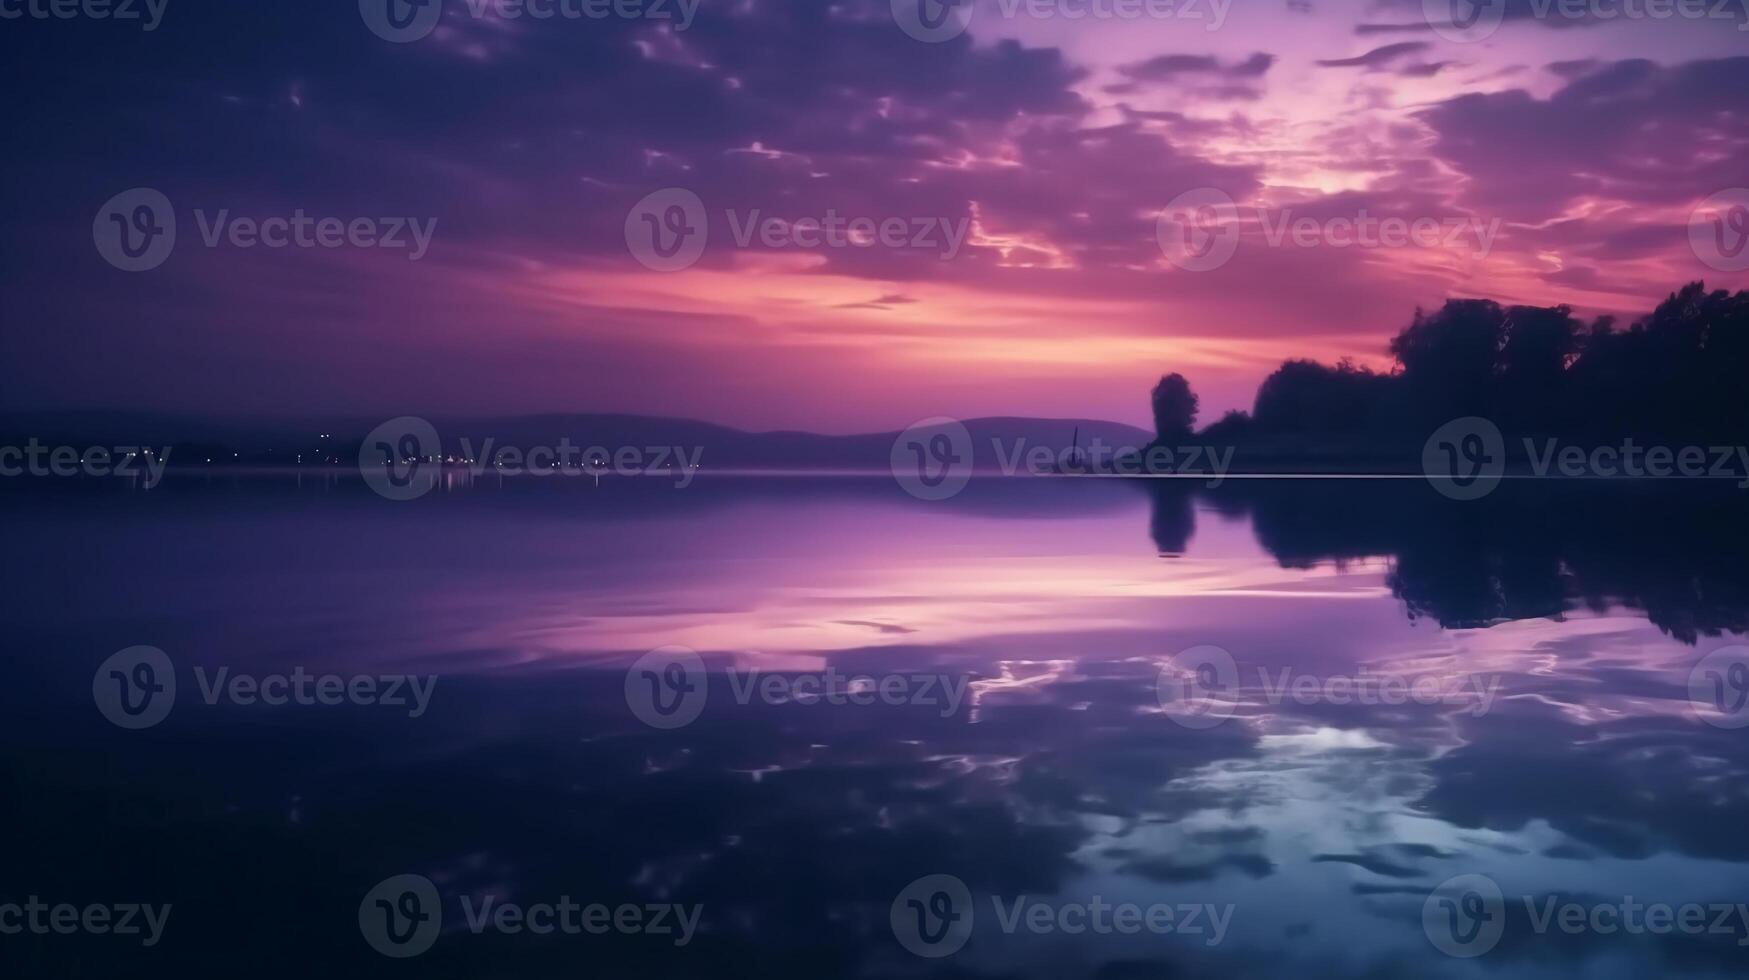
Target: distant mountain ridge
{"x":195,"y":440}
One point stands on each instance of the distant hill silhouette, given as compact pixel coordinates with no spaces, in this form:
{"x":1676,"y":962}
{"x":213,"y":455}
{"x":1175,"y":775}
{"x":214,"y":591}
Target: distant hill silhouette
{"x":197,"y":440}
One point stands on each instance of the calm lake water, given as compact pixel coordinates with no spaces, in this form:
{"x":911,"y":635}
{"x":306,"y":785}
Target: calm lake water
{"x":1115,"y":730}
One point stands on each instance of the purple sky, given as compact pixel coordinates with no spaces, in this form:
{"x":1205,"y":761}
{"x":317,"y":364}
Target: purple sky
{"x":1579,"y":148}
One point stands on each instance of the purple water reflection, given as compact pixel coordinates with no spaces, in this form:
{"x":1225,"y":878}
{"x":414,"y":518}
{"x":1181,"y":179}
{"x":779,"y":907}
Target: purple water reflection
{"x":1565,"y":755}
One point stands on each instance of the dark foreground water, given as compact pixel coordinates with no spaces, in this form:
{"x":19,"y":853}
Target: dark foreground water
{"x":1098,"y":730}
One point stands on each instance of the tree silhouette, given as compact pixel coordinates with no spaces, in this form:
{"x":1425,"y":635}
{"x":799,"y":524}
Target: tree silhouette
{"x":1537,"y":347}
{"x":1305,"y":396}
{"x":1174,"y":409}
{"x":1449,"y":358}
{"x":1673,"y":376}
